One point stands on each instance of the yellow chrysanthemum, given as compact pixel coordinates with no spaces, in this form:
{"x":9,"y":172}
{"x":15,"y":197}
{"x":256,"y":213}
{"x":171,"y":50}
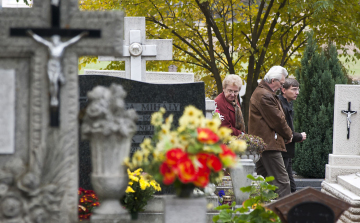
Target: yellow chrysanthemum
{"x":192,"y":112}
{"x":131,"y":183}
{"x":129,"y":190}
{"x":238,"y":145}
{"x":143,"y":183}
{"x":156,"y":118}
{"x":169,"y":120}
{"x":213,"y":124}
{"x":146,"y":144}
{"x":155,"y":185}
{"x":162,"y":110}
{"x":131,"y":176}
{"x":137,"y":172}
{"x":224,"y":133}
{"x":165,"y":129}
{"x":138,"y":156}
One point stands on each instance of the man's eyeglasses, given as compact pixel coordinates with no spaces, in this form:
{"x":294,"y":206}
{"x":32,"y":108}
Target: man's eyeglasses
{"x":282,"y":84}
{"x":232,"y":92}
{"x":295,"y":89}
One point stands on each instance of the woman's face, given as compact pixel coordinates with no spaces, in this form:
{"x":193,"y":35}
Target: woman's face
{"x":231,"y":92}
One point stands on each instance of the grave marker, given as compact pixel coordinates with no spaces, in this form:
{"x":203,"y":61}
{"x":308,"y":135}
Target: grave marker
{"x":145,"y":98}
{"x":137,"y":49}
{"x":43,"y":169}
{"x":295,"y":207}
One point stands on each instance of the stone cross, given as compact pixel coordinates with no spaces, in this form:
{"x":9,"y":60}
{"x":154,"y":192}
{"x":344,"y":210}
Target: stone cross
{"x":43,"y":165}
{"x":137,"y":49}
{"x":56,"y":50}
{"x":348,"y":118}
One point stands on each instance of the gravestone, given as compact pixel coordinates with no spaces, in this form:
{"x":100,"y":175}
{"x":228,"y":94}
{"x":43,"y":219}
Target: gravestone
{"x":39,"y":178}
{"x":342,"y":174}
{"x":308,"y":205}
{"x":137,"y":49}
{"x":145,"y":98}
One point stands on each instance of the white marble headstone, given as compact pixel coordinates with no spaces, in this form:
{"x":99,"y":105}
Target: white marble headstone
{"x":7,"y":111}
{"x":345,"y":158}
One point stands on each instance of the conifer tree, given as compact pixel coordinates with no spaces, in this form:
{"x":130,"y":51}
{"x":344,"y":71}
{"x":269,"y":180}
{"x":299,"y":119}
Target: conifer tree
{"x":314,"y":108}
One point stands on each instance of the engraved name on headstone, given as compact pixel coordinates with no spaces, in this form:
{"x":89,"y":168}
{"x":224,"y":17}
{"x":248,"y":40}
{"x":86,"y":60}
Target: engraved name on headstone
{"x":7,"y":111}
{"x":145,"y":98}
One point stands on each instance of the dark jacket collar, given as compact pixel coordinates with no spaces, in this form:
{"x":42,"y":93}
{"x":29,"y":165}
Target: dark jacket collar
{"x":285,"y":102}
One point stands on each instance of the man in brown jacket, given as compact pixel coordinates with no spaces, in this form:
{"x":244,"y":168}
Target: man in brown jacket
{"x":267,"y":120}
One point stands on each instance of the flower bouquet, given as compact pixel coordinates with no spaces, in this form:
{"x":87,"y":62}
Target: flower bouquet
{"x":189,"y":156}
{"x":141,"y":188}
{"x":87,"y":201}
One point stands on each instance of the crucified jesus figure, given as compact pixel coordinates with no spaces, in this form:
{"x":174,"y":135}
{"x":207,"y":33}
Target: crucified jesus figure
{"x":54,"y":69}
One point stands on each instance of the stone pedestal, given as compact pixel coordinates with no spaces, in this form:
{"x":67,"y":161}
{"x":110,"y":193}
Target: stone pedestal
{"x":239,"y":179}
{"x":185,"y":210}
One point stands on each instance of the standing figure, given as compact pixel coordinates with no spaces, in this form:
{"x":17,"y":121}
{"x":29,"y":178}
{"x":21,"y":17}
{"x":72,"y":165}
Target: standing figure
{"x":54,"y":69}
{"x":267,"y":120}
{"x":289,"y":93}
{"x":228,"y":105}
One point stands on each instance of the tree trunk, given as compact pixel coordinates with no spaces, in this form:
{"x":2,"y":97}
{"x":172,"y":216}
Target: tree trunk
{"x":249,"y":90}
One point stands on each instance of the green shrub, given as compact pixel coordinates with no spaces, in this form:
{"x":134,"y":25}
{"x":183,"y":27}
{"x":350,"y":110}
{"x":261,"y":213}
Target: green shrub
{"x":261,"y":192}
{"x":314,"y":108}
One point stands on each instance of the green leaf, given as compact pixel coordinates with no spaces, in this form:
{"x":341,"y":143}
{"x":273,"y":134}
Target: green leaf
{"x":251,"y":177}
{"x":269,"y":179}
{"x":216,"y":218}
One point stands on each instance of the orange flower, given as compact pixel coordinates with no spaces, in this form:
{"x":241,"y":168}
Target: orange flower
{"x":202,"y":178}
{"x":209,"y":160}
{"x":207,"y":136}
{"x":168,"y":172}
{"x":214,"y":163}
{"x":186,"y":170}
{"x":174,"y":155}
{"x":227,"y":157}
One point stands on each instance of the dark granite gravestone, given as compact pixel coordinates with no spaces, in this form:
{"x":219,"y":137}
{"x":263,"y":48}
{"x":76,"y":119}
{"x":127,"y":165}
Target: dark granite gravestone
{"x":310,"y":212}
{"x":308,"y":205}
{"x":145,"y":98}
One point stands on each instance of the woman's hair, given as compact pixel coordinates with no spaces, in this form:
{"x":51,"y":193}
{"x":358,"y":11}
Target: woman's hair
{"x":233,"y":80}
{"x":276,"y":72}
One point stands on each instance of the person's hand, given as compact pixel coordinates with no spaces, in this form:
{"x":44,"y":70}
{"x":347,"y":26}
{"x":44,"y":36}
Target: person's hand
{"x":303,"y":136}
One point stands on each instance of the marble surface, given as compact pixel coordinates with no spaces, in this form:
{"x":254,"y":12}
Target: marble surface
{"x":7,"y":111}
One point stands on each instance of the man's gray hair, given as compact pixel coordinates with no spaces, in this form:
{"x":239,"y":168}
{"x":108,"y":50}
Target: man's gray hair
{"x":276,"y":72}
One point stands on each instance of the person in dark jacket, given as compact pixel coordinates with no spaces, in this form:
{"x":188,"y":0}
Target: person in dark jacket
{"x":289,"y":93}
{"x":228,"y":106}
{"x":267,"y":121}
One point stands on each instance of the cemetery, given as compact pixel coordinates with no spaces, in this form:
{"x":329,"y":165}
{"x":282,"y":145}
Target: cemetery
{"x":143,"y":140}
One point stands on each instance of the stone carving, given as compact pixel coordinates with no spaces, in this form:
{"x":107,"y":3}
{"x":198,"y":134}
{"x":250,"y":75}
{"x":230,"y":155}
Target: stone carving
{"x":24,"y":199}
{"x":109,"y":127}
{"x":40,"y":180}
{"x":54,"y":68}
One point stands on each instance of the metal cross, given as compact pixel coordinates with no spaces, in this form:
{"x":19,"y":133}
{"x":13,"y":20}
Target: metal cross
{"x":56,"y":49}
{"x":348,"y":118}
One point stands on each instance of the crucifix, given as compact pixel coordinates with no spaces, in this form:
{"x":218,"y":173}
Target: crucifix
{"x":137,"y":49}
{"x":48,"y":156}
{"x":349,"y":112}
{"x":56,"y":50}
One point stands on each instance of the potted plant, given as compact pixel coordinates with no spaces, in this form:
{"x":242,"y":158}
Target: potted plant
{"x":140,"y":190}
{"x":189,"y":156}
